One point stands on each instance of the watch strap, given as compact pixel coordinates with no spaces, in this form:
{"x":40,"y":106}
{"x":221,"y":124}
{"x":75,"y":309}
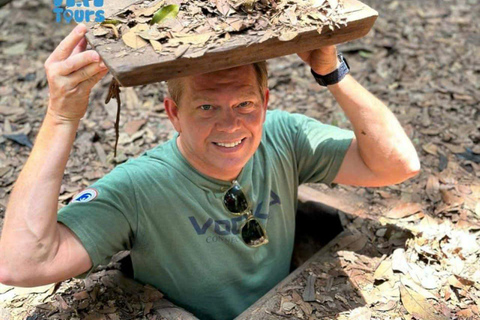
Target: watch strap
{"x":334,"y":76}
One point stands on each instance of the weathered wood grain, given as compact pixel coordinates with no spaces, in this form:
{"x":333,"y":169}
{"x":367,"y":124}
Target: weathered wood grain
{"x":146,"y":66}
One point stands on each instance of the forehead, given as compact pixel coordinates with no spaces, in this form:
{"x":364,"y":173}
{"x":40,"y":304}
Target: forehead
{"x":240,"y":80}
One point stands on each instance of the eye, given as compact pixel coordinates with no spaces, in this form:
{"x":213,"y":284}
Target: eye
{"x":244,"y":104}
{"x":206,"y":107}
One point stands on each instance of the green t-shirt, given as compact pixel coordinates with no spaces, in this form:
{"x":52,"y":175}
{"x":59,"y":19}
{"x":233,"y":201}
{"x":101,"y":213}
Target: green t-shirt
{"x":181,"y":238}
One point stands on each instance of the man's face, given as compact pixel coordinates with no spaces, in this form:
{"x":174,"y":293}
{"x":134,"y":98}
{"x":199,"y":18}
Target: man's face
{"x":220,"y":118}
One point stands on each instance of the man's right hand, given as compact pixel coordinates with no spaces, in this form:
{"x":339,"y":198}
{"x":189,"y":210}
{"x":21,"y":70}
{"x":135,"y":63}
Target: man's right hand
{"x":72,"y":72}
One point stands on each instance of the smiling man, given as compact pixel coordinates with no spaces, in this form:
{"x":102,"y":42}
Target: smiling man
{"x":208,"y":216}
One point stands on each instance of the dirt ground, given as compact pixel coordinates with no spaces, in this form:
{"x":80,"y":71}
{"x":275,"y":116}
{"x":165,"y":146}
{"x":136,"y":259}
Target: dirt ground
{"x":421,"y":59}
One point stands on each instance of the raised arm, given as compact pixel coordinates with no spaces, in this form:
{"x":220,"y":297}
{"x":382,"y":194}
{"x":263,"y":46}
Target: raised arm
{"x":381,"y":154}
{"x":34,"y":248}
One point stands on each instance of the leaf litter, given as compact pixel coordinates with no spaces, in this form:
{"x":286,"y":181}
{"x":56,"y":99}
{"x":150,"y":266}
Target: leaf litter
{"x":211,"y":24}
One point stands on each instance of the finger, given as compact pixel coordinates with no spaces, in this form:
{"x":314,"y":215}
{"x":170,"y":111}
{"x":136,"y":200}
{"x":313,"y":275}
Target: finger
{"x":85,"y":73}
{"x":304,"y":55}
{"x":81,"y":46}
{"x":92,"y":81}
{"x":67,"y":45}
{"x":77,"y":62}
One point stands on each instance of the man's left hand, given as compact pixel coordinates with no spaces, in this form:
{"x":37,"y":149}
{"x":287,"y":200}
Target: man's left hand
{"x":323,"y":61}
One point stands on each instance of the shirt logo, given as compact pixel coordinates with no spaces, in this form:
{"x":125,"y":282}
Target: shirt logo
{"x":86,"y":195}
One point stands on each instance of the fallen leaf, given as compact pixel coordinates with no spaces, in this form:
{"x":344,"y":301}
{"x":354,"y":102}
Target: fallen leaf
{"x":399,"y":261}
{"x":167,"y":12}
{"x":432,"y":188}
{"x":417,"y":288}
{"x":133,"y":126}
{"x":100,"y":32}
{"x":181,"y":50}
{"x":449,"y":197}
{"x":333,"y":3}
{"x":20,"y":139}
{"x":353,"y":242}
{"x":16,"y":49}
{"x":309,"y":293}
{"x":196,"y":39}
{"x":157,"y":46}
{"x":403,"y":210}
{"x":133,"y":41}
{"x":147,"y":12}
{"x":384,"y":271}
{"x":151,"y":34}
{"x":360,"y":313}
{"x":417,"y":305}
{"x":287,"y":35}
{"x":430,"y":148}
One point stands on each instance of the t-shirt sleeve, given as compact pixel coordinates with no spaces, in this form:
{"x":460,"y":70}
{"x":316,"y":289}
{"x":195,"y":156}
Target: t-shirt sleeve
{"x":319,"y":149}
{"x":104,"y":217}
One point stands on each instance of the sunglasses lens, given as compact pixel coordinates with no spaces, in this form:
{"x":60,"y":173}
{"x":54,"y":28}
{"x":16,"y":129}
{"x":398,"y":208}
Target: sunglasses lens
{"x":235,"y":200}
{"x":252,"y":233}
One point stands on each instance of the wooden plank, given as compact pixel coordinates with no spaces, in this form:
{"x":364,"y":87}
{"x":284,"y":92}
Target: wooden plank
{"x":146,"y":66}
{"x":344,"y":204}
{"x":257,"y":310}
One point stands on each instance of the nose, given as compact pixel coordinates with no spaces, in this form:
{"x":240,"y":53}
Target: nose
{"x":228,"y":121}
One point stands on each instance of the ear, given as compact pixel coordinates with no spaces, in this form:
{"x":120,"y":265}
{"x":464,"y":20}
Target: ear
{"x":265,"y":103}
{"x":172,"y":111}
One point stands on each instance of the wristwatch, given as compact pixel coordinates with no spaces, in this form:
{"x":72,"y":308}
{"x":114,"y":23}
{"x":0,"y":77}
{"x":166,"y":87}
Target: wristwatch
{"x":335,"y":76}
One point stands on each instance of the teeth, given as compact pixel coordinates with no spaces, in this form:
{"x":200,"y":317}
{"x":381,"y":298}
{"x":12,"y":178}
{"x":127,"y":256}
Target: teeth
{"x":229,"y":145}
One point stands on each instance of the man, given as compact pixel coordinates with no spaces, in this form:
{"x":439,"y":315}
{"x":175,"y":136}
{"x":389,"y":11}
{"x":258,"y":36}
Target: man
{"x":209,"y":215}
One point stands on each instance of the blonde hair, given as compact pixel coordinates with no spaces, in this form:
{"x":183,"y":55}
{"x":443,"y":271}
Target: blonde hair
{"x":176,"y":86}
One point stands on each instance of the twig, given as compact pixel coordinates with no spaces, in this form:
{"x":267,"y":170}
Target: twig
{"x":114,"y":92}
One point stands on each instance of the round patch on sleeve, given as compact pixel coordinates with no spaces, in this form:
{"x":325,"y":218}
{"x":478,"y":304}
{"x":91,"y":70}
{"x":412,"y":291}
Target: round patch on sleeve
{"x":86,"y":195}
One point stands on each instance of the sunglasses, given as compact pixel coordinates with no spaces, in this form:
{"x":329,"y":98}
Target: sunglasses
{"x":235,"y":201}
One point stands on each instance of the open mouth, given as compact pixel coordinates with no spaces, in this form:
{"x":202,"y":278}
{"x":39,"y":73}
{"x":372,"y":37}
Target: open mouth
{"x":231,"y":144}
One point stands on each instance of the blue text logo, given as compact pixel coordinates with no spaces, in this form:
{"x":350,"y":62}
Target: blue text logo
{"x":79,"y":11}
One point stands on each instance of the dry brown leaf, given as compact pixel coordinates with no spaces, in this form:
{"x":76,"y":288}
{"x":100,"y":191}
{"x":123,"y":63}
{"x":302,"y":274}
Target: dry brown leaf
{"x":287,"y":35}
{"x":353,"y":242}
{"x":399,"y":261}
{"x":133,"y":126}
{"x":333,"y":3}
{"x":432,"y":188}
{"x":197,"y":39}
{"x":389,"y":305}
{"x":403,"y":210}
{"x":150,"y":11}
{"x":454,"y":148}
{"x":140,"y":27}
{"x":133,"y":41}
{"x":100,"y":31}
{"x":151,"y":34}
{"x":384,"y":271}
{"x":360,"y":313}
{"x":430,"y":148}
{"x":449,"y":197}
{"x":417,"y":305}
{"x":157,"y":46}
{"x":223,"y":7}
{"x":465,"y":314}
{"x":181,"y":50}
{"x":419,"y":289}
